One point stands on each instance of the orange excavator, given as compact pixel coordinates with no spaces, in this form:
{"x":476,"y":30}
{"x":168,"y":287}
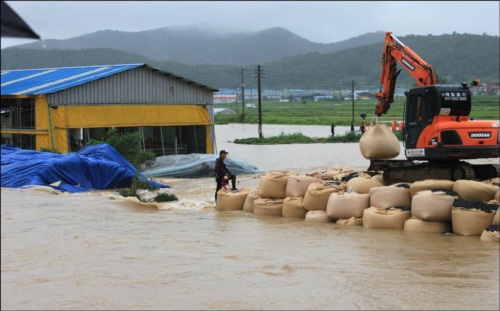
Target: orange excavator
{"x":437,"y":132}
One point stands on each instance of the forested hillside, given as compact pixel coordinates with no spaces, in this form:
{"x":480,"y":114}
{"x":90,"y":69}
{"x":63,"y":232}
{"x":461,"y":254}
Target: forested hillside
{"x":455,"y":57}
{"x":192,"y":45}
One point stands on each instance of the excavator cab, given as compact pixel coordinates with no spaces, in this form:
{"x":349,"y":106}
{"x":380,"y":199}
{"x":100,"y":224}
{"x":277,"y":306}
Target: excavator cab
{"x":423,"y":104}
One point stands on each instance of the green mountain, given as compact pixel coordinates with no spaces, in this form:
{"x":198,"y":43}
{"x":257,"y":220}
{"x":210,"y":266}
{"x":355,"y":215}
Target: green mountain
{"x":456,"y":58}
{"x":193,"y":45}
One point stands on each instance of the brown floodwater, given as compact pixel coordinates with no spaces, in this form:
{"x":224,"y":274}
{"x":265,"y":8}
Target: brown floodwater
{"x":95,"y":251}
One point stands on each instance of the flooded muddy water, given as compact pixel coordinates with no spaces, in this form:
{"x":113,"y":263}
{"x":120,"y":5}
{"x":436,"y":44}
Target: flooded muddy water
{"x":96,"y":251}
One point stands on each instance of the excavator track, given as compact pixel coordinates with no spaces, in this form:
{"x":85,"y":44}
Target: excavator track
{"x":406,"y":171}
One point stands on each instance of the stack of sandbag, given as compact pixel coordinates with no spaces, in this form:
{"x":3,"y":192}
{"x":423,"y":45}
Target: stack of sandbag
{"x":362,"y":185}
{"x":430,"y":184}
{"x":347,"y":207}
{"x":251,"y":197}
{"x":491,"y":233}
{"x":379,"y":142}
{"x":317,"y":216}
{"x":475,"y":190}
{"x":268,"y":207}
{"x":381,"y":218}
{"x":431,"y":211}
{"x":292,"y":208}
{"x":317,"y":194}
{"x":471,"y":217}
{"x":228,"y":200}
{"x":297,"y":185}
{"x":389,"y":207}
{"x":273,"y":184}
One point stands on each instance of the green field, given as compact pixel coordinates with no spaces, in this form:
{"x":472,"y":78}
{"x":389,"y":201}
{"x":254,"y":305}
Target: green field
{"x":341,"y":113}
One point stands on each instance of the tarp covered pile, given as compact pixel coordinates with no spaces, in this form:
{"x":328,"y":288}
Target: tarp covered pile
{"x":195,"y":165}
{"x":94,"y":167}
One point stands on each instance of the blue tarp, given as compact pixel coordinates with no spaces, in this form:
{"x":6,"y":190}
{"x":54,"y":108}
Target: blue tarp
{"x":94,"y":167}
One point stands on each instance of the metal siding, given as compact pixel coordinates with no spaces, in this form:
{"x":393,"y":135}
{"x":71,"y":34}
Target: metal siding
{"x":138,"y":85}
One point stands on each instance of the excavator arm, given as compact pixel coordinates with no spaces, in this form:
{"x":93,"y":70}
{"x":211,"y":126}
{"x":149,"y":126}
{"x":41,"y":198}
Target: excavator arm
{"x":396,"y":52}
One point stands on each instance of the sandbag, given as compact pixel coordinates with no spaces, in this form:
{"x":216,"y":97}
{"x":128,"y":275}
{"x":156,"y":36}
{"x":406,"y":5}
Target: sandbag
{"x":345,"y":205}
{"x":251,"y":197}
{"x":353,"y":221}
{"x":497,"y":196}
{"x":268,"y":207}
{"x":231,"y":201}
{"x":496,"y":219}
{"x":273,"y":184}
{"x":390,"y":196}
{"x":296,"y":186}
{"x":317,"y":216}
{"x":432,"y":205}
{"x":379,"y":142}
{"x":330,"y":173}
{"x":474,"y":190}
{"x":362,"y":185}
{"x":414,"y":224}
{"x":292,"y":208}
{"x":379,"y":178}
{"x":381,"y":218}
{"x":471,"y":217}
{"x":490,"y":234}
{"x":430,"y":184}
{"x":317,"y":194}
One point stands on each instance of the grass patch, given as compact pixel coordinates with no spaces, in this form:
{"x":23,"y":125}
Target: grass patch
{"x":299,"y":138}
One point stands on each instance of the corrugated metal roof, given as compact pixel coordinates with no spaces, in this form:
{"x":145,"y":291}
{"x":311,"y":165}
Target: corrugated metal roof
{"x":51,"y":80}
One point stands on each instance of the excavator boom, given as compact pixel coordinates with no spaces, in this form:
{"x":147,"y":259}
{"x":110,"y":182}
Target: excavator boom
{"x":396,"y":52}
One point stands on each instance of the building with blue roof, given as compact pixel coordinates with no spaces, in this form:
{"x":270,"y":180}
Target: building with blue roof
{"x":62,"y":108}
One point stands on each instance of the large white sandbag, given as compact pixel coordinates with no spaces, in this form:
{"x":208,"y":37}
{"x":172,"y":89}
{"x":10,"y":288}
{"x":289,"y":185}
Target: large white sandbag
{"x":362,"y":185}
{"x":251,"y":197}
{"x":317,"y":194}
{"x":273,"y":184}
{"x":430,"y":184}
{"x":474,"y":190}
{"x":491,"y":234}
{"x":471,"y":217}
{"x":353,"y":221}
{"x":418,"y":225}
{"x":317,"y":216}
{"x":228,"y":200}
{"x":379,"y":142}
{"x":390,"y":196}
{"x":292,"y":208}
{"x":381,"y":218}
{"x":268,"y":207}
{"x":296,"y":186}
{"x":344,"y":205}
{"x":432,"y":205}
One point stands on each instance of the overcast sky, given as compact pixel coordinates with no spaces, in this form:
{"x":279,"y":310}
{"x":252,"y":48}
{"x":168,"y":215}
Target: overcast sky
{"x":317,"y":21}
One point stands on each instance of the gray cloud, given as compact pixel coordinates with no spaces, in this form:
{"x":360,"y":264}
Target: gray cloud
{"x":318,"y":21}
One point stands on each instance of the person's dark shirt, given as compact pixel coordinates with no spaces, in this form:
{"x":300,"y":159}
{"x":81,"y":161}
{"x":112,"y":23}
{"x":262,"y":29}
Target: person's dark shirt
{"x":220,"y":168}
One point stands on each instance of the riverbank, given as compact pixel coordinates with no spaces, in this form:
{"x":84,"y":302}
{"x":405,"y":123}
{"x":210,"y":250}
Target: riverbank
{"x":299,"y":138}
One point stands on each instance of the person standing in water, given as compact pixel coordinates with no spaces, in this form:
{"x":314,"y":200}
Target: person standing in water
{"x":222,"y":174}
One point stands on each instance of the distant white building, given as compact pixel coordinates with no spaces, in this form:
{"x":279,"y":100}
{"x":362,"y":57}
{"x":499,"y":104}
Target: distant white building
{"x":224,"y":98}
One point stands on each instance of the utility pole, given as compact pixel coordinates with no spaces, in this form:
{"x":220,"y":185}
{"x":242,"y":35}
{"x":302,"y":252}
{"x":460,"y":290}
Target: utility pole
{"x":352,"y":120}
{"x":259,"y":74}
{"x":243,"y":93}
